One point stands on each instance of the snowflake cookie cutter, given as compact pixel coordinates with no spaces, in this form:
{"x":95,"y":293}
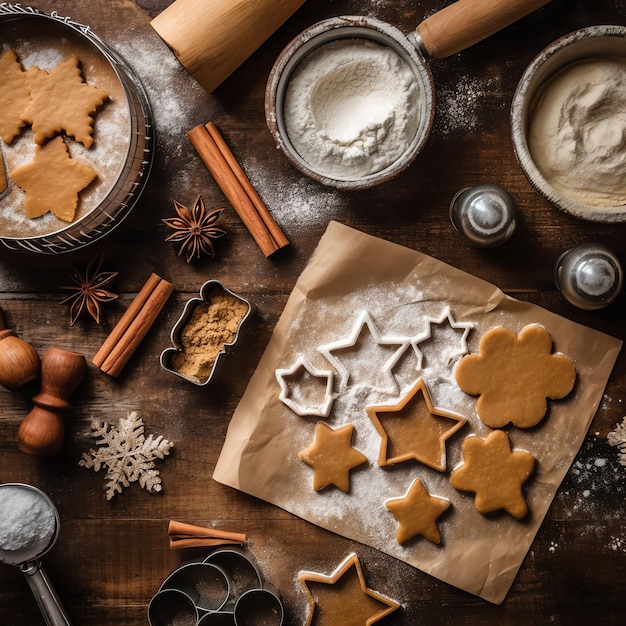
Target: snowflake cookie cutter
{"x":365,"y":321}
{"x":287,"y":396}
{"x":209,"y":370}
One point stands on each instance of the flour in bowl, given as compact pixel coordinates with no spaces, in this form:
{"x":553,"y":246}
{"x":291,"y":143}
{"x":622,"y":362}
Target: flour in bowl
{"x":352,"y":108}
{"x":577,"y":133}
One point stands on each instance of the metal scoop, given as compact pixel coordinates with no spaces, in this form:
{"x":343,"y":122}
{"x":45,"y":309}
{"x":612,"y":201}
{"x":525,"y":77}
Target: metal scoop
{"x":26,"y":551}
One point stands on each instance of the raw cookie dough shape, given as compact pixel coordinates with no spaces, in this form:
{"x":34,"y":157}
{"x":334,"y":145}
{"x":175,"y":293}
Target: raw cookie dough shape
{"x":14,"y":96}
{"x":494,"y":473}
{"x":515,"y":375}
{"x":299,"y":387}
{"x":429,"y":356}
{"x":413,"y":429}
{"x":332,"y":456}
{"x":364,"y":322}
{"x":417,"y":512}
{"x":52,"y":181}
{"x":62,"y":102}
{"x":343,"y":597}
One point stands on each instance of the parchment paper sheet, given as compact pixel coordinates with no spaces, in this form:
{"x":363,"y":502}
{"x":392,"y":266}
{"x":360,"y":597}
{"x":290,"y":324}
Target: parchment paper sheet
{"x":351,"y":272}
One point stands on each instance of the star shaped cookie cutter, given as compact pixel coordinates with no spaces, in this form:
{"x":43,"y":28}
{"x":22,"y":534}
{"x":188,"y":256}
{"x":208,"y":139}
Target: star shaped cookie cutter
{"x":391,"y":453}
{"x":445,"y":315}
{"x":365,"y":321}
{"x":286,"y":392}
{"x":379,"y":605}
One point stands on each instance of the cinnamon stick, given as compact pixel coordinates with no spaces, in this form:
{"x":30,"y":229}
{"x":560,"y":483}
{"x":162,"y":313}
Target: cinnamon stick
{"x":133,"y":326}
{"x":237,"y":188}
{"x":275,"y":231}
{"x":182,"y":535}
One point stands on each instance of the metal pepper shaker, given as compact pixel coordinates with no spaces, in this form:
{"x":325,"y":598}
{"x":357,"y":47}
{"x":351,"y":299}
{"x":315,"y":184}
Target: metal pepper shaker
{"x":484,"y":215}
{"x":589,"y":276}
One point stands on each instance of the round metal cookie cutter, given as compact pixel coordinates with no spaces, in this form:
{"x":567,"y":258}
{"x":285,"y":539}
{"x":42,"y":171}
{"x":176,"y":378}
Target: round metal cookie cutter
{"x":454,"y":28}
{"x":586,"y":43}
{"x":135,"y":165}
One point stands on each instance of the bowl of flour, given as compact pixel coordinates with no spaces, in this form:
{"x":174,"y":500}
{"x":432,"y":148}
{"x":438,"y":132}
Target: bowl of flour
{"x":568,"y":120}
{"x":350,"y":102}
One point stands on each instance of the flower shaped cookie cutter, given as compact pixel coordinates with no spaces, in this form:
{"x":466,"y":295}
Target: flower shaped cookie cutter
{"x":199,"y":359}
{"x":226,"y":589}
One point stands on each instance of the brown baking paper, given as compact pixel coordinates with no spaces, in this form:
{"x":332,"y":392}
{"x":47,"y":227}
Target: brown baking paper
{"x":352,"y":273}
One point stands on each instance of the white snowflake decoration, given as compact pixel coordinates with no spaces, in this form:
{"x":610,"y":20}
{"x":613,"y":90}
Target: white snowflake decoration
{"x":127,"y":454}
{"x":617,"y":438}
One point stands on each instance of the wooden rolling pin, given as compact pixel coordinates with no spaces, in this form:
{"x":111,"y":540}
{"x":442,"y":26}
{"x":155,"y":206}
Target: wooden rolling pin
{"x":466,"y":22}
{"x":212,"y":38}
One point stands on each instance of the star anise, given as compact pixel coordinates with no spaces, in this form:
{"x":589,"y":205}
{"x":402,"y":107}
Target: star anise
{"x":89,"y":290}
{"x":194,"y":229}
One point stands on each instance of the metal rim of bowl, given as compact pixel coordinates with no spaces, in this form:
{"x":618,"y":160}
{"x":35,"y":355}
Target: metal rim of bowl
{"x":548,"y":62}
{"x":134,"y":174}
{"x":347,"y":27}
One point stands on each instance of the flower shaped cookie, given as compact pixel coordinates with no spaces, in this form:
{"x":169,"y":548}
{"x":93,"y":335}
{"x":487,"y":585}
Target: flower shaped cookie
{"x":514,"y":375}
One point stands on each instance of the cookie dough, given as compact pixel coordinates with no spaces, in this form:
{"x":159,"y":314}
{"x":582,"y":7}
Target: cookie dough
{"x":14,"y":96}
{"x":60,"y":101}
{"x":343,"y":597}
{"x":413,"y":429}
{"x":494,"y":473}
{"x":52,"y":181}
{"x":514,"y":375}
{"x":417,"y":512}
{"x":332,"y":456}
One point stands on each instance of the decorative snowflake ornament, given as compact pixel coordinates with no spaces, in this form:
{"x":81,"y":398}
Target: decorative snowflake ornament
{"x":127,"y":454}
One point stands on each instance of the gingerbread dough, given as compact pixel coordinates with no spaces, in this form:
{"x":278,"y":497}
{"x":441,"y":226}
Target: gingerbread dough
{"x":417,"y":512}
{"x":343,"y":597}
{"x":494,"y":473}
{"x":14,"y":96}
{"x":52,"y":181}
{"x":332,"y":456}
{"x":62,"y":102}
{"x":515,"y":375}
{"x":413,"y":429}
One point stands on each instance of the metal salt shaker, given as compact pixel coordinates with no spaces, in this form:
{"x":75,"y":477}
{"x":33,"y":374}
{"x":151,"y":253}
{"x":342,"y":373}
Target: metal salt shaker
{"x":484,"y":215}
{"x":589,"y":276}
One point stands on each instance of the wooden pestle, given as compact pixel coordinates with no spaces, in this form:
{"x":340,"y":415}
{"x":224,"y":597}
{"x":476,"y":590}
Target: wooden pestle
{"x":42,"y":431}
{"x":19,"y":361}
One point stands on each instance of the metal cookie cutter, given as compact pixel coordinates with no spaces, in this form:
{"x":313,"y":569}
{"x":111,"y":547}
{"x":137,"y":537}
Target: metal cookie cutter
{"x":210,"y":371}
{"x":225,"y":589}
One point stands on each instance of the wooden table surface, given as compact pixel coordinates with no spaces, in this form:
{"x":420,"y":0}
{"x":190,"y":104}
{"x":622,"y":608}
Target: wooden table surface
{"x":112,"y":556}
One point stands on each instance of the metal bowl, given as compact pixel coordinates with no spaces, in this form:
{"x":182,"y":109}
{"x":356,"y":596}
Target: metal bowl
{"x":115,"y":197}
{"x":587,"y":43}
{"x":325,"y":32}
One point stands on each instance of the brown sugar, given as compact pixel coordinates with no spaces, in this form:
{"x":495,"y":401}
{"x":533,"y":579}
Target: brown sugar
{"x":211,"y":326}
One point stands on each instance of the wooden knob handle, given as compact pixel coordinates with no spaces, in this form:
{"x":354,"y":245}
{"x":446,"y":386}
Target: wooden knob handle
{"x":466,"y":22}
{"x":42,"y":431}
{"x":19,"y":362}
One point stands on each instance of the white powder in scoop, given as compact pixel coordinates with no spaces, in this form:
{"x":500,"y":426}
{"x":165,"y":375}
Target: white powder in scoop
{"x":578,"y":131}
{"x":352,"y":108}
{"x":27,"y":521}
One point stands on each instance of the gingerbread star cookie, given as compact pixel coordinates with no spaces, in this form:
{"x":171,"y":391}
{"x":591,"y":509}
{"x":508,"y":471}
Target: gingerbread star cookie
{"x":414,"y":429}
{"x":417,"y":512}
{"x":52,"y":181}
{"x":514,"y":375}
{"x":332,"y":456}
{"x":62,"y":102}
{"x":3,"y":175}
{"x":343,"y":598}
{"x":494,"y":473}
{"x":14,"y":96}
